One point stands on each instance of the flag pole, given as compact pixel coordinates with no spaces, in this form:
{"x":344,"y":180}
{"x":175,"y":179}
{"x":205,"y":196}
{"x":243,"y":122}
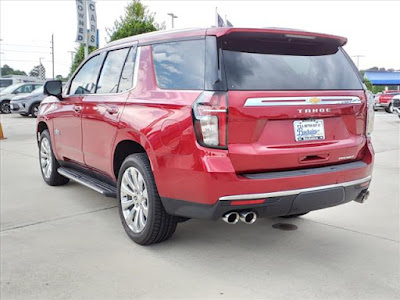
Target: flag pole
{"x":216,"y":16}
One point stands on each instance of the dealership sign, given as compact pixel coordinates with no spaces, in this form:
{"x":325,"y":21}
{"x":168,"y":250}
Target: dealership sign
{"x":86,"y":9}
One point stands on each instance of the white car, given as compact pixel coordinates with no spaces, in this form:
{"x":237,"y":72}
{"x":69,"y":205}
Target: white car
{"x":13,"y":90}
{"x":396,"y":104}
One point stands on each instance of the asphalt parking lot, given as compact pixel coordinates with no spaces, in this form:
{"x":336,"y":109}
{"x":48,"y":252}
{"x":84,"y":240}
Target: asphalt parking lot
{"x":67,"y":242}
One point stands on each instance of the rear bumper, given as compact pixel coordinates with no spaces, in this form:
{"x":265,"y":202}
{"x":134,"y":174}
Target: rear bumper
{"x":274,"y":204}
{"x":382,"y":104}
{"x":214,"y":188}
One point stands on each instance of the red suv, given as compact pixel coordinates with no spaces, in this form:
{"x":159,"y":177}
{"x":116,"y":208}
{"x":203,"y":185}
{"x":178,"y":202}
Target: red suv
{"x":213,"y":123}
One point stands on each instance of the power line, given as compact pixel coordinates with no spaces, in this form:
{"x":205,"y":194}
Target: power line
{"x":12,"y":50}
{"x":17,"y":45}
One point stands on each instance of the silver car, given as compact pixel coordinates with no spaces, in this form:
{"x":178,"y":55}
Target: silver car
{"x":26,"y":105}
{"x":12,"y":91}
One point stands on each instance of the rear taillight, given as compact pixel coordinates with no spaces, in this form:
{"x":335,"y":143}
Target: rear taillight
{"x":370,"y":113}
{"x":210,"y":119}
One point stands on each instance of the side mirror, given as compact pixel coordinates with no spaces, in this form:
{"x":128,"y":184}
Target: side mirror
{"x":16,"y":92}
{"x":53,"y":88}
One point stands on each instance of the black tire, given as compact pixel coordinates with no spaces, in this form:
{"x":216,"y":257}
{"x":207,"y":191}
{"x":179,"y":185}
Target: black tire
{"x":294,"y":215}
{"x":34,"y":111}
{"x":5,"y":107}
{"x":54,"y":178}
{"x":159,"y":226}
{"x":389,"y":109}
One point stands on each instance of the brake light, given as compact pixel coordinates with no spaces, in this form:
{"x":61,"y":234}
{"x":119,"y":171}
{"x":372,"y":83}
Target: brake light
{"x":210,"y":119}
{"x":370,"y":113}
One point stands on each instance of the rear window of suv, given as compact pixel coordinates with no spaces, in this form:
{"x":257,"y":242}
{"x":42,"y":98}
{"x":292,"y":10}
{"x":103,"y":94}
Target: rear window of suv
{"x":180,"y":65}
{"x":277,"y":71}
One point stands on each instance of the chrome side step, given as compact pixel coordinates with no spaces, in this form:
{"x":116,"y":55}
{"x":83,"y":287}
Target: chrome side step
{"x":89,"y":181}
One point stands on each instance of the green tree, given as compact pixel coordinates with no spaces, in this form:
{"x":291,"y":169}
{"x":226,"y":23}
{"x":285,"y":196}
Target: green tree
{"x":137,"y":20}
{"x":7,"y":70}
{"x":79,"y":57}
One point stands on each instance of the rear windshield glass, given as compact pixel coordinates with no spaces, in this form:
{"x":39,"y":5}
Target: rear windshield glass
{"x":259,"y":71}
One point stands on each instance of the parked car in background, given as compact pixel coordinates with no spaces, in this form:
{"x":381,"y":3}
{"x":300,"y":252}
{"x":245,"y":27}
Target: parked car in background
{"x":221,"y":123}
{"x":12,"y":91}
{"x":26,"y":105}
{"x":384,"y":100}
{"x":396,"y":104}
{"x":9,"y":80}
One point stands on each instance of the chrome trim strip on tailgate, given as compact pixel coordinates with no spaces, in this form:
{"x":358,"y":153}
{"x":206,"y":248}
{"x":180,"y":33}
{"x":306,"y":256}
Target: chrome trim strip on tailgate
{"x":293,"y":192}
{"x":288,"y":101}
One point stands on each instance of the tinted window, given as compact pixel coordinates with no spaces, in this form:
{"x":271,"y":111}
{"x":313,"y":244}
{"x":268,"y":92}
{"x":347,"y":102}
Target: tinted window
{"x":24,"y":89}
{"x":180,"y":65}
{"x":126,"y":81}
{"x":85,"y":80}
{"x":5,"y":83}
{"x":258,"y":71}
{"x":111,"y":72}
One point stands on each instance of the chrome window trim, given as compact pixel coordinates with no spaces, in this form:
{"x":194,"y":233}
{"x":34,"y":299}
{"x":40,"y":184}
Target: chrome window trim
{"x":293,"y":192}
{"x":289,"y":101}
{"x":136,"y":69}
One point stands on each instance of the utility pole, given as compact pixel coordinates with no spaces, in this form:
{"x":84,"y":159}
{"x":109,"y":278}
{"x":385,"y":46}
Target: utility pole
{"x":72,"y":56}
{"x":172,"y":18}
{"x":0,"y":59}
{"x":52,"y":52}
{"x":358,"y":59}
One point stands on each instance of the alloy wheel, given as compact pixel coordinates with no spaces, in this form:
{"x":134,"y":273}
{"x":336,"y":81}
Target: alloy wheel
{"x":5,"y":108}
{"x":134,"y":199}
{"x":45,"y":157}
{"x":35,"y":111}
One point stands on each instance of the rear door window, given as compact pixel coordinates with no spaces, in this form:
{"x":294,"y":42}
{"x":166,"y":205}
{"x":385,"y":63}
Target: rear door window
{"x":289,"y":71}
{"x":111,"y":71}
{"x":180,"y":65}
{"x":85,"y":80}
{"x":126,"y":81}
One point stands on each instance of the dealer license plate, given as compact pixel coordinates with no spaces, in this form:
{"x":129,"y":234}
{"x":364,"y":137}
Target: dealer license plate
{"x":309,"y":130}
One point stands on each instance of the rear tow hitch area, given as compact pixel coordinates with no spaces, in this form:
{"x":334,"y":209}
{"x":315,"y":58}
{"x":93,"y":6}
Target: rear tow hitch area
{"x":362,"y":197}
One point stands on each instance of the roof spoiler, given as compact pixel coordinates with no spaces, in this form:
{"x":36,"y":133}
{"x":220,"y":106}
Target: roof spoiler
{"x":288,"y":33}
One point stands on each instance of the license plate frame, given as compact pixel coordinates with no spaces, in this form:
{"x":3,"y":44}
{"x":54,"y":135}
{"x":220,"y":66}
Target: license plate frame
{"x":309,"y":130}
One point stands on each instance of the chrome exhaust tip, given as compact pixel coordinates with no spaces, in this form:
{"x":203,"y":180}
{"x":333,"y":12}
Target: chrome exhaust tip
{"x":231,"y":217}
{"x":362,"y":198}
{"x":248,"y":217}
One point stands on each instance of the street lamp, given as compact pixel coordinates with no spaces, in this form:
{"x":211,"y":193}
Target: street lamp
{"x":172,"y":18}
{"x":358,"y":59}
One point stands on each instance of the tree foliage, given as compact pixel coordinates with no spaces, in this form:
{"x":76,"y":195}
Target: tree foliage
{"x":7,"y":70}
{"x":79,"y":57}
{"x":137,"y":20}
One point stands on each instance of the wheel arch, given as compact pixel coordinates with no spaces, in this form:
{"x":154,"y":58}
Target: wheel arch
{"x":127,"y":145}
{"x":32,"y":104}
{"x":41,"y":126}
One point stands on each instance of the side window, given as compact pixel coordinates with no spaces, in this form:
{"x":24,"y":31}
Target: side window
{"x":180,"y":65}
{"x":85,"y":80}
{"x":37,"y":86}
{"x":127,"y":74}
{"x":24,"y":89}
{"x":111,"y":72}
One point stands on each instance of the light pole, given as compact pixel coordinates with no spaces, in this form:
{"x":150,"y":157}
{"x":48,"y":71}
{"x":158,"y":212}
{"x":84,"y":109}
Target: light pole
{"x":72,"y":56}
{"x":172,"y":18}
{"x":358,"y":59}
{"x":0,"y":59}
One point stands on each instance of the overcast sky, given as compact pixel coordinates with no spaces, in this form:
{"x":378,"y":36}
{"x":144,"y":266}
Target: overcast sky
{"x":372,"y":27}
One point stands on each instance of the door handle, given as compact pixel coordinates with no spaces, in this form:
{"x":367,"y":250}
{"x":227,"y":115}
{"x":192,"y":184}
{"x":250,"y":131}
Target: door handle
{"x":112,"y":110}
{"x":77,"y":108}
